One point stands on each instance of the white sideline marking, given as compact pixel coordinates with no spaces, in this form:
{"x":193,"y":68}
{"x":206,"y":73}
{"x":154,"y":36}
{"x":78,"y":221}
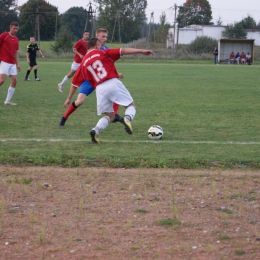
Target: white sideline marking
{"x":126,"y":141}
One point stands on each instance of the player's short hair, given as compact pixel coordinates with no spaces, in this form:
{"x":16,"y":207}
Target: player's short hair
{"x":85,"y":31}
{"x":92,"y":42}
{"x":101,"y":30}
{"x":14,"y":24}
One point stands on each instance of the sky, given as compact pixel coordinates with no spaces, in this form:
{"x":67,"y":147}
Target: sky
{"x":229,"y":11}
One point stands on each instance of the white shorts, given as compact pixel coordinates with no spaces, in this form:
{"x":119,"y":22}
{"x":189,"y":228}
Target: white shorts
{"x":110,"y":91}
{"x":7,"y":68}
{"x":75,"y":65}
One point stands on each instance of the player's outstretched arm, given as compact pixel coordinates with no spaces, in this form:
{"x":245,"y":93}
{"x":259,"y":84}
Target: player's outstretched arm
{"x":128,"y":51}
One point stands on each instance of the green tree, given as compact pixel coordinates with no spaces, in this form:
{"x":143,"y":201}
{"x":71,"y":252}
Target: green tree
{"x":64,"y":42}
{"x":163,"y":30}
{"x":235,"y":31}
{"x":248,"y":22}
{"x":195,"y":12}
{"x":8,"y":14}
{"x":219,"y":21}
{"x":48,"y":17}
{"x":122,"y":18}
{"x":74,"y":20}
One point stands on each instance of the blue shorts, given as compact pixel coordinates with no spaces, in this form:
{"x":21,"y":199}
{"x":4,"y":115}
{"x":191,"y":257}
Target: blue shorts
{"x":86,"y":88}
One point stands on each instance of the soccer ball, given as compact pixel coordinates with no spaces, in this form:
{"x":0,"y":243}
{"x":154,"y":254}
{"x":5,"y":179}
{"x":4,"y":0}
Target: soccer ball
{"x":155,"y":132}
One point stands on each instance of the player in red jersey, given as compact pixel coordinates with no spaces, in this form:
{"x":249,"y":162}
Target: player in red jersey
{"x":99,"y":69}
{"x":80,"y":49}
{"x":86,"y":89}
{"x":9,"y":46}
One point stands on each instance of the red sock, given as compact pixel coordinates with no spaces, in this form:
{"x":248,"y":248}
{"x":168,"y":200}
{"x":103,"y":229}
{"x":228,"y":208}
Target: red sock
{"x":116,"y":107}
{"x":70,"y":110}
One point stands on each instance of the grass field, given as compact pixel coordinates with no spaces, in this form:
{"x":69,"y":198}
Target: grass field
{"x":210,"y":117}
{"x":137,"y":202}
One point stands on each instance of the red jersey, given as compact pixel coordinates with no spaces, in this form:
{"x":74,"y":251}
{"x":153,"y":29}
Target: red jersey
{"x":81,"y":47}
{"x":97,"y":66}
{"x":243,"y":56}
{"x":9,"y":45}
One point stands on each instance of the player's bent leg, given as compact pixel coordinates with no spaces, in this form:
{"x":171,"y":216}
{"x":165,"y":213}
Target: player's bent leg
{"x":10,"y":93}
{"x":2,"y":79}
{"x":69,"y":111}
{"x":13,"y":79}
{"x":100,"y":126}
{"x":129,"y":116}
{"x":117,"y":118}
{"x":65,"y":79}
{"x":71,"y":73}
{"x":80,"y":99}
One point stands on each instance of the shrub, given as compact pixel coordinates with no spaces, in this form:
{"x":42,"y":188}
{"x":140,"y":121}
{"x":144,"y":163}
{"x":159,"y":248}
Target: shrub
{"x":64,"y":42}
{"x":202,"y":44}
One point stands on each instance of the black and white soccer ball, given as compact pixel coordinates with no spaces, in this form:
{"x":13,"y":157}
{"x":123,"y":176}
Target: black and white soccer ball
{"x":155,"y":132}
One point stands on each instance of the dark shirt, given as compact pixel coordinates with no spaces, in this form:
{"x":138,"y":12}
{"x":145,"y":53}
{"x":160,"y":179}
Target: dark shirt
{"x":32,"y":49}
{"x":216,"y":52}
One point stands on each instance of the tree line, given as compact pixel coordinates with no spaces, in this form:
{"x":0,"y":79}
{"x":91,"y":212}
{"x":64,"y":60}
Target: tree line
{"x":125,"y":20}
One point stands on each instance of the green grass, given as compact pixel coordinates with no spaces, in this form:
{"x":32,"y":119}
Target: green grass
{"x":169,"y":222}
{"x":210,"y":117}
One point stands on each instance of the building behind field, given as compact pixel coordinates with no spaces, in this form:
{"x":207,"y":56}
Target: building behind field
{"x":189,"y":33}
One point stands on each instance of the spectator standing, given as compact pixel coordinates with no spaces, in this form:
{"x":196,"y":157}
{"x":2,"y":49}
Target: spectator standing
{"x":31,"y":54}
{"x":215,"y":52}
{"x":9,"y":47}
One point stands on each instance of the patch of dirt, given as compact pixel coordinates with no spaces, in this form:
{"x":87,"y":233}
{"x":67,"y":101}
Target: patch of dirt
{"x":104,"y":213}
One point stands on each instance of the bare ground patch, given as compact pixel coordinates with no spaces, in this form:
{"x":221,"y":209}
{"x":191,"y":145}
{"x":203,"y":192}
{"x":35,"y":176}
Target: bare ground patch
{"x":104,"y":213}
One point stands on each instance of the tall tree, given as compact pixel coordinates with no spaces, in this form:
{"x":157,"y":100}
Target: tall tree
{"x":122,"y":18}
{"x":163,"y":30}
{"x":248,"y":22}
{"x":8,"y":14}
{"x":48,"y":18}
{"x":235,"y":31}
{"x":74,"y":20}
{"x":195,"y":12}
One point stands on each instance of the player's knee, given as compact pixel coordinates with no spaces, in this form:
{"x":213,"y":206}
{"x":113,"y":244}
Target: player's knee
{"x":13,"y":82}
{"x":132,"y":104}
{"x":2,"y":79}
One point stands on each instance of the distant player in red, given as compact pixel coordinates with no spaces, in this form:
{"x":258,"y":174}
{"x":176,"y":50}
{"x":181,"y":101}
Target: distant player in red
{"x":9,"y":47}
{"x":98,"y":68}
{"x":80,"y":49}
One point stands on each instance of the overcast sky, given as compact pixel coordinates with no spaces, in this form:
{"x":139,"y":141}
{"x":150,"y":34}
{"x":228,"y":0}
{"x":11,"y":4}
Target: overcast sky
{"x":229,"y":11}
